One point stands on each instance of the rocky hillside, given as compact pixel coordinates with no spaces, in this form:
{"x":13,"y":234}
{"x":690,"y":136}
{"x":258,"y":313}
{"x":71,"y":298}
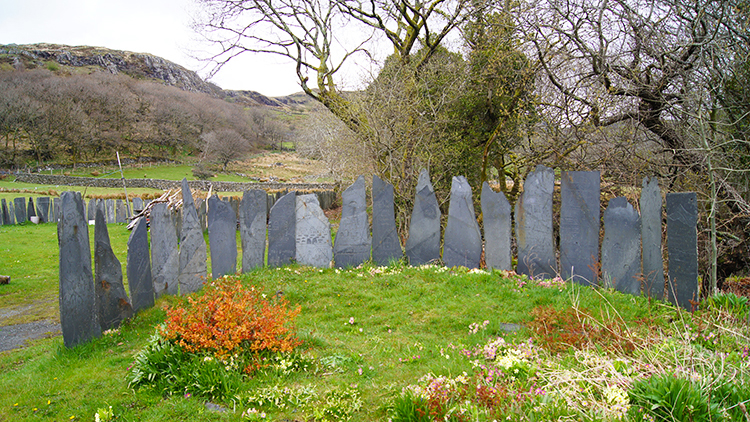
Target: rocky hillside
{"x":78,"y":59}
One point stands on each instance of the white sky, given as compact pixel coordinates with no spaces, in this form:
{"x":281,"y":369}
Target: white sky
{"x":158,"y":27}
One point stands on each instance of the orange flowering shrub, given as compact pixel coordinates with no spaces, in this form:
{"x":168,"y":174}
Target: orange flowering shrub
{"x":229,"y":318}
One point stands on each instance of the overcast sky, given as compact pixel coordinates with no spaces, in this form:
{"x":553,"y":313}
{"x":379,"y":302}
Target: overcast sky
{"x":158,"y":27}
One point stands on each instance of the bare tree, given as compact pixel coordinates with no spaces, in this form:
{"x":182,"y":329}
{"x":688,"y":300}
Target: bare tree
{"x":224,"y":146}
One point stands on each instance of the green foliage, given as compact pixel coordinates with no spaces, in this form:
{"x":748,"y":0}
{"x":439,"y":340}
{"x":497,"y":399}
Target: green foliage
{"x":671,"y":398}
{"x":737,"y":306}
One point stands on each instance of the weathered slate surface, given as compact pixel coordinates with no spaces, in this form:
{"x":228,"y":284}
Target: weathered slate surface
{"x":91,"y":210}
{"x":386,"y":246}
{"x":30,"y":209}
{"x":19,"y":205}
{"x":621,"y":247}
{"x":536,"y":245}
{"x":42,"y":209}
{"x":682,"y":248}
{"x":6,"y":215}
{"x":139,"y":267}
{"x":222,"y":237}
{"x":113,"y":304}
{"x":497,"y":229}
{"x":423,"y":244}
{"x":56,"y":207}
{"x":312,"y":233}
{"x":110,"y":208}
{"x":281,"y":231}
{"x":579,"y":226}
{"x":193,"y":268}
{"x":121,"y":215}
{"x":165,"y":255}
{"x":137,"y":204}
{"x":202,"y":214}
{"x":353,"y":242}
{"x":463,"y":240}
{"x":253,"y":217}
{"x":78,"y":310}
{"x":651,"y":230}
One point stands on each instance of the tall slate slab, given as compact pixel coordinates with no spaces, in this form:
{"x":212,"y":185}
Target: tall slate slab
{"x":11,"y":214}
{"x":42,"y":209}
{"x":462,"y":245}
{"x":312,"y":233}
{"x":234,"y":203}
{"x":193,"y":256}
{"x":56,"y":209}
{"x":91,"y":210}
{"x":682,"y":248}
{"x":137,"y":204}
{"x":30,"y":209}
{"x":536,"y":245}
{"x":651,"y":230}
{"x":121,"y":214}
{"x":497,"y":229}
{"x":109,"y":205}
{"x":423,"y":244}
{"x":78,"y":309}
{"x":386,"y":246}
{"x":202,"y":214}
{"x":353,"y":242}
{"x":112,"y":301}
{"x":5,"y":213}
{"x":579,"y":226}
{"x":19,"y":205}
{"x":222,"y":237}
{"x":165,"y":255}
{"x":139,"y":267}
{"x":253,"y":217}
{"x":281,"y":231}
{"x":621,"y":247}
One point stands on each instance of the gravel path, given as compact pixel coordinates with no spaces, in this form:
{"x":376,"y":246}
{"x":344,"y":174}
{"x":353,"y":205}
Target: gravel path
{"x":14,"y":336}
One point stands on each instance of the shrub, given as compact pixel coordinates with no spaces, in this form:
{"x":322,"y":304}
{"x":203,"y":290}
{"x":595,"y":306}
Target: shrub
{"x":202,"y":173}
{"x":671,"y":398}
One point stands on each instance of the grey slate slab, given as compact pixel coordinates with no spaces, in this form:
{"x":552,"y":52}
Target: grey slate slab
{"x":579,"y":226}
{"x":253,"y":217}
{"x":137,"y":204}
{"x":222,"y":237}
{"x":109,"y":205}
{"x":462,"y":245}
{"x":30,"y":209}
{"x":165,"y":255}
{"x":139,"y":267}
{"x":353,"y":242}
{"x":42,"y":209}
{"x":121,"y":214}
{"x":682,"y":248}
{"x":386,"y":246}
{"x":113,"y":303}
{"x":621,"y":247}
{"x":5,"y":213}
{"x":536,"y":245}
{"x":496,"y":220}
{"x":11,"y":218}
{"x":651,"y":230}
{"x":281,"y":231}
{"x":193,"y":256}
{"x":19,"y":205}
{"x":312,"y":233}
{"x":56,"y":207}
{"x":78,"y":310}
{"x":202,"y":214}
{"x":423,"y":244}
{"x":91,"y":210}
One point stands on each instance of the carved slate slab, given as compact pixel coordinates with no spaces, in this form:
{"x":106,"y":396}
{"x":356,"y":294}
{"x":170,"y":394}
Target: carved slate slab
{"x":281,"y":231}
{"x":121,"y":215}
{"x":110,"y":208}
{"x":222,"y":237}
{"x":497,"y":230}
{"x":386,"y":246}
{"x":42,"y":209}
{"x":536,"y":247}
{"x":165,"y":255}
{"x":193,"y":256}
{"x":463,"y":240}
{"x":579,"y":226}
{"x":621,"y":247}
{"x":139,"y":267}
{"x":253,"y":216}
{"x":312,"y":233}
{"x":19,"y":205}
{"x":423,"y":244}
{"x":651,"y":229}
{"x":353,"y":242}
{"x":112,"y":301}
{"x":682,"y":248}
{"x":78,"y":310}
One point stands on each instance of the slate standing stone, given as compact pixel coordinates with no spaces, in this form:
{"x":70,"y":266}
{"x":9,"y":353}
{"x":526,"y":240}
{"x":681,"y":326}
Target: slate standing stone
{"x":56,"y":206}
{"x":312,"y":233}
{"x":110,"y":207}
{"x":30,"y":209}
{"x":78,"y":309}
{"x":423,"y":244}
{"x":682,"y":248}
{"x":202,"y":214}
{"x":651,"y":229}
{"x":42,"y":208}
{"x":139,"y":267}
{"x":353,"y":242}
{"x":91,"y":210}
{"x":5,"y":213}
{"x":137,"y":204}
{"x":165,"y":255}
{"x":122,"y":215}
{"x":281,"y":231}
{"x":253,"y":216}
{"x":112,"y":301}
{"x":193,"y":256}
{"x":621,"y":247}
{"x":19,"y":204}
{"x":536,"y":245}
{"x":222,"y":237}
{"x":386,"y":246}
{"x":579,"y":226}
{"x":11,"y":214}
{"x":234,"y":203}
{"x":497,"y":229}
{"x":463,"y":240}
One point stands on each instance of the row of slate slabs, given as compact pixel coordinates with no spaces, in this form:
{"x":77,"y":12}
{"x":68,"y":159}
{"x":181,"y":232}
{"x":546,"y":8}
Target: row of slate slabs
{"x":19,"y":211}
